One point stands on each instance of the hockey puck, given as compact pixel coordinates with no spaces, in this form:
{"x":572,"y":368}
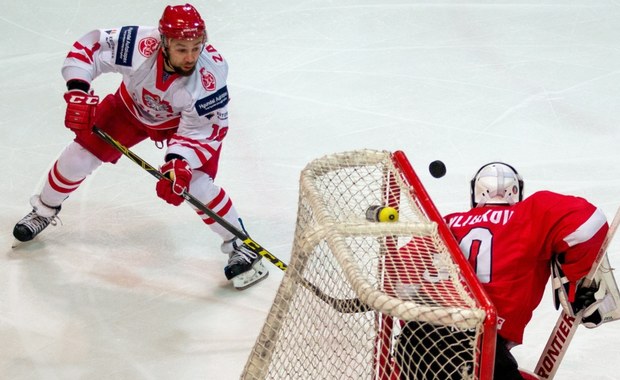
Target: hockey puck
{"x":437,"y":169}
{"x":381,"y":214}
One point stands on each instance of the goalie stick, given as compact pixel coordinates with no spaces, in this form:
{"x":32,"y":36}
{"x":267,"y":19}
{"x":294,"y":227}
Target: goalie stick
{"x":566,"y":326}
{"x":339,"y":304}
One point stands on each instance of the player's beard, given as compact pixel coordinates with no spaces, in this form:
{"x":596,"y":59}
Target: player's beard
{"x":182,"y":72}
{"x":176,"y":68}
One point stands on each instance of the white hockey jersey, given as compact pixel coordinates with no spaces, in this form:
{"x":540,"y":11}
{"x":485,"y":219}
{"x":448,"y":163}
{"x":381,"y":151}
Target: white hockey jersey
{"x":195,"y":104}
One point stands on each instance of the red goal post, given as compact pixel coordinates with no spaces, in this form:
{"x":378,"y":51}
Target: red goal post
{"x":373,"y":300}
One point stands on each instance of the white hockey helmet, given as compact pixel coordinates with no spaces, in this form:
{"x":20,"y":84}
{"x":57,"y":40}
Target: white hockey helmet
{"x":496,"y":183}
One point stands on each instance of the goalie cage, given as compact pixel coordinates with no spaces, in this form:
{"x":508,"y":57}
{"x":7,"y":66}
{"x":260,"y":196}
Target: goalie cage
{"x":367,"y":300}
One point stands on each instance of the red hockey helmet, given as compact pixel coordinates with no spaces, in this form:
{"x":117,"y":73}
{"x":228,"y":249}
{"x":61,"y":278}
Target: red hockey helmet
{"x":182,"y":22}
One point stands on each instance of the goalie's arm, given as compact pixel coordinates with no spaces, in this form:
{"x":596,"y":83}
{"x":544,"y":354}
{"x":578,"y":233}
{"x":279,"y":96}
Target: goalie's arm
{"x":579,"y":235}
{"x":566,"y":326}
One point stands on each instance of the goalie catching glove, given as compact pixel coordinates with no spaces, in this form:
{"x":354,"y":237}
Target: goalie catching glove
{"x":575,"y":301}
{"x":178,"y":175}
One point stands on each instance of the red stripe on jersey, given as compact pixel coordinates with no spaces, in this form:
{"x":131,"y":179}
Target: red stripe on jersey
{"x":160,"y":84}
{"x":87,"y":54}
{"x":126,"y":97}
{"x":79,"y":57}
{"x":198,"y":148}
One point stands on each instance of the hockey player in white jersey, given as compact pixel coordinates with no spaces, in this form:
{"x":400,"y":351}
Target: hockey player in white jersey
{"x":173,"y":92}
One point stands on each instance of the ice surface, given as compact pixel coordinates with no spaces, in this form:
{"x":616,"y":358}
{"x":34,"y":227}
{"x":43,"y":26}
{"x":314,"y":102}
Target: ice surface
{"x":132,"y":288}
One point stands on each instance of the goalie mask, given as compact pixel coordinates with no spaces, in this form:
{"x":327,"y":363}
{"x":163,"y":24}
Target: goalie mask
{"x":496,"y":183}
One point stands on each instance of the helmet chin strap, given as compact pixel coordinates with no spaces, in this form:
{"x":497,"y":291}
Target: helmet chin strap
{"x":164,"y":51}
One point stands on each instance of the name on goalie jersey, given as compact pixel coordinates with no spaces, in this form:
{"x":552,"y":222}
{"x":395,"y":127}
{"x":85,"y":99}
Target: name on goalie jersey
{"x":491,"y":216}
{"x":212,"y":102}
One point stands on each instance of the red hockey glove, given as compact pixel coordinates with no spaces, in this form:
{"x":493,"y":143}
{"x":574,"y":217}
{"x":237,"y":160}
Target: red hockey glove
{"x":81,"y":108}
{"x":171,"y":190}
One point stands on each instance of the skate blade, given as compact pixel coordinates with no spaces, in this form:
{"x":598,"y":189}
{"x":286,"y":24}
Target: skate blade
{"x":250,"y":278}
{"x":17,"y":243}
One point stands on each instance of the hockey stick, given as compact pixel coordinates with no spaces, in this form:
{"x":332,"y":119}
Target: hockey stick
{"x":566,"y":326}
{"x":253,"y":245}
{"x":352,"y":305}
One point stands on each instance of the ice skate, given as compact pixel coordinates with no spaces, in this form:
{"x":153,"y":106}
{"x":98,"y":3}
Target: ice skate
{"x":245,"y":267}
{"x":36,"y":221}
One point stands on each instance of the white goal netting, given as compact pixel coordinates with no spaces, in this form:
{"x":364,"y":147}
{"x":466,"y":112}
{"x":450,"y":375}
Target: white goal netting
{"x":364,"y":299}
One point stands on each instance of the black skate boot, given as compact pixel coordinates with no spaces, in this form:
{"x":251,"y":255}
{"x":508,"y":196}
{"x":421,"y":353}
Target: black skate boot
{"x":245,"y":267}
{"x":36,"y":221}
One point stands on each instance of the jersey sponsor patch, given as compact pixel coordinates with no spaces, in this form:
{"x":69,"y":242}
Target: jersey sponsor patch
{"x":212,"y":102}
{"x":126,"y":44}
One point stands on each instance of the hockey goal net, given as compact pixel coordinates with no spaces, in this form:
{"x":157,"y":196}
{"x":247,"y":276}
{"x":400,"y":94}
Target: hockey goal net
{"x":373,"y":300}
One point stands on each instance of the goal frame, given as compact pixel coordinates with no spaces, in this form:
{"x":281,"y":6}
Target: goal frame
{"x":334,"y":192}
{"x":489,"y":337}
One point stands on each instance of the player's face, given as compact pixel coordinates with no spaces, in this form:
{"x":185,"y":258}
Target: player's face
{"x":183,"y":55}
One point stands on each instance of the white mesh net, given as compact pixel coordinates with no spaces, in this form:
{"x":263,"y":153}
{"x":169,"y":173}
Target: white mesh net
{"x":363,"y":299}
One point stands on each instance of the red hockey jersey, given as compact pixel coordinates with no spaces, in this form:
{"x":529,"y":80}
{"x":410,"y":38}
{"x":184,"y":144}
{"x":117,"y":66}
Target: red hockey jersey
{"x":510,"y":248}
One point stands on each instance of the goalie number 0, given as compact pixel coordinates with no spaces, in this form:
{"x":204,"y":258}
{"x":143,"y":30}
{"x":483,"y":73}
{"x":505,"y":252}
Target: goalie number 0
{"x":479,"y":255}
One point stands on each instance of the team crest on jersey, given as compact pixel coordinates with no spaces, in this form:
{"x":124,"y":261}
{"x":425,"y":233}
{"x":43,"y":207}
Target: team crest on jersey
{"x":208,"y":79}
{"x":155,"y":102}
{"x":147,"y":46}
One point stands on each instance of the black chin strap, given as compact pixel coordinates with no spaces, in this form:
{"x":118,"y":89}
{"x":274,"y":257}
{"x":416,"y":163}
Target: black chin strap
{"x":164,"y":52}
